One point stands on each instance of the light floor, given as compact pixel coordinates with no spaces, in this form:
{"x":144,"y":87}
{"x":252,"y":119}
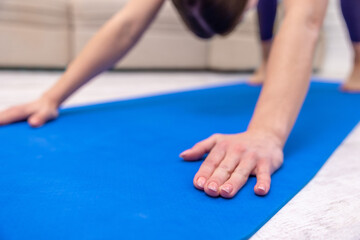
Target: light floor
{"x":327,"y":208}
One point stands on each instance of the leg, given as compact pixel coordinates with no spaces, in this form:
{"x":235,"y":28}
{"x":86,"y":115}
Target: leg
{"x":266,"y":16}
{"x":351,"y":12}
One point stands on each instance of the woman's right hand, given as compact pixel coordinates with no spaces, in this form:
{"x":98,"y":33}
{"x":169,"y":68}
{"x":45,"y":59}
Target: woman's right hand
{"x":37,"y":113}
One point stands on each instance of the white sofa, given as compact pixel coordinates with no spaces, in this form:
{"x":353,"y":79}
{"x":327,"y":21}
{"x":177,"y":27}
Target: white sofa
{"x":49,"y":33}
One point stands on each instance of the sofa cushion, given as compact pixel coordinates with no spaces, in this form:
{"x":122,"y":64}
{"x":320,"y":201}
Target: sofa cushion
{"x":49,"y":33}
{"x":34,"y":33}
{"x":93,"y":13}
{"x":43,"y":12}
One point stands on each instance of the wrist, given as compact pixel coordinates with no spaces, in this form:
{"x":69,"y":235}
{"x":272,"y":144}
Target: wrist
{"x":51,"y":99}
{"x":275,"y":136}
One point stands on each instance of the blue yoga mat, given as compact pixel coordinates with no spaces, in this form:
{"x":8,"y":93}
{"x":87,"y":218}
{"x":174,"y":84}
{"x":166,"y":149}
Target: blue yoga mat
{"x":112,"y":171}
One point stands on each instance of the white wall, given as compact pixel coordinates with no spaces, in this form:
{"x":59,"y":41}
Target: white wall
{"x":338,"y":55}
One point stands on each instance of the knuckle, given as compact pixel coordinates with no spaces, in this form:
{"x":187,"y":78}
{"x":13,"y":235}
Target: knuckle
{"x":264,"y":165}
{"x":223,"y":144}
{"x":216,"y":136}
{"x":264,"y":174}
{"x":225,"y":168}
{"x":210,"y":162}
{"x":197,"y":145}
{"x":265,"y":157}
{"x":251,"y":155}
{"x":241,"y":173}
{"x":239,"y":148}
{"x":215,"y":179}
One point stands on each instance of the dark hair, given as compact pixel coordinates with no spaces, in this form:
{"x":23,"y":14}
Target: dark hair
{"x":222,"y":16}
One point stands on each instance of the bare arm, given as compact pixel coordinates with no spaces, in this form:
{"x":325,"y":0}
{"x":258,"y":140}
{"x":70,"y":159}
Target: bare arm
{"x":107,"y":47}
{"x":289,"y":68}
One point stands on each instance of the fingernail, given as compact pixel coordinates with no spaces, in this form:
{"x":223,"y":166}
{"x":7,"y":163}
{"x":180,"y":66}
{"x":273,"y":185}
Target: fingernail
{"x":201,"y":182}
{"x":213,"y":187}
{"x":262,"y":188}
{"x":227,"y":188}
{"x":183,"y":154}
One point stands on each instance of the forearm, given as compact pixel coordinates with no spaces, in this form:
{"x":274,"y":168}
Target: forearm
{"x":107,"y":47}
{"x":288,"y":76}
{"x":104,"y":49}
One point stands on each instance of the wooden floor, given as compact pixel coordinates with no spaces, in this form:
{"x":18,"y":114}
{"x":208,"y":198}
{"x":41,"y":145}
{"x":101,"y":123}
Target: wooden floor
{"x":327,"y":208}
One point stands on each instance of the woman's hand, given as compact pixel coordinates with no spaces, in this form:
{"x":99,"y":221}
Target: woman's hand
{"x":37,"y":113}
{"x":232,"y":159}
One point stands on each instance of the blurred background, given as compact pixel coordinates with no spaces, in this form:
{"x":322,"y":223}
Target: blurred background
{"x":43,"y":36}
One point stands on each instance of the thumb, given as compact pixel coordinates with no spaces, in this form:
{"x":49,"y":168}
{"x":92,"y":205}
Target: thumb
{"x":198,"y":151}
{"x":39,"y":119}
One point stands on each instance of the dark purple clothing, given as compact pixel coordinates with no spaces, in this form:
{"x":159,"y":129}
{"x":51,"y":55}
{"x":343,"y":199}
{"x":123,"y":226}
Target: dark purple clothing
{"x":351,"y":12}
{"x":267,"y":14}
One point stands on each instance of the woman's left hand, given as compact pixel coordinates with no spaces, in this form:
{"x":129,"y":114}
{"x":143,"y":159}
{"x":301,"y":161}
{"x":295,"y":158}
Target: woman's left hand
{"x":232,"y":159}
